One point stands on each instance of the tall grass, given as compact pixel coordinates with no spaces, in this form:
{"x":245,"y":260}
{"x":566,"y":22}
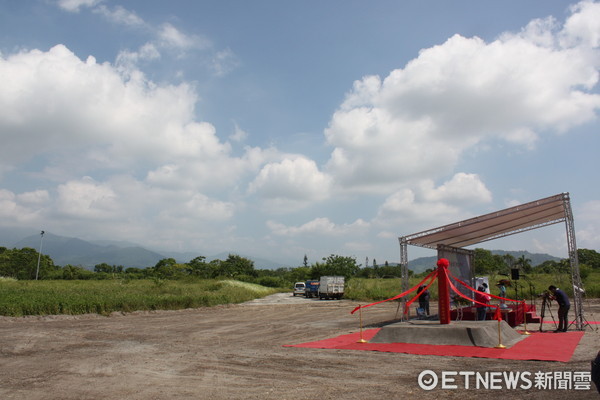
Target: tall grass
{"x":19,"y":298}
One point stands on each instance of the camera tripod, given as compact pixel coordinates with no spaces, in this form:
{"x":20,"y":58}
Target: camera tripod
{"x":546,"y":303}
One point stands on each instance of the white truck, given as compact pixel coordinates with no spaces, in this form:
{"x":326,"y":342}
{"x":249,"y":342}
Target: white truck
{"x":331,"y":287}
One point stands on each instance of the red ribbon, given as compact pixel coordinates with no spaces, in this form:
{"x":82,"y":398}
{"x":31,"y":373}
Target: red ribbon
{"x":409,"y":291}
{"x":477,"y":291}
{"x":497,"y":316}
{"x":408,"y":303}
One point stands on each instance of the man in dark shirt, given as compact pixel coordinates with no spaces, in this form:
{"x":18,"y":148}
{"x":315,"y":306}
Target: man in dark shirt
{"x":563,"y":307}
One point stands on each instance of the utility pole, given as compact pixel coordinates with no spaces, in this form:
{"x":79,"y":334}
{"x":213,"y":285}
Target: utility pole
{"x":37,"y":271}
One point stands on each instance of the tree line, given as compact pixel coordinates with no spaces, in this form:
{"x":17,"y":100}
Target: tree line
{"x":23,"y":264}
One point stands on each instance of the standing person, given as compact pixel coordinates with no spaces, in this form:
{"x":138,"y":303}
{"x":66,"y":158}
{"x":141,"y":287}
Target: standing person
{"x":563,"y":307}
{"x":423,"y":299}
{"x":482,"y":300}
{"x":502,"y":287}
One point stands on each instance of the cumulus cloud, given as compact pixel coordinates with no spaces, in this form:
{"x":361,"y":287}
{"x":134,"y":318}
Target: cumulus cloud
{"x":85,"y":199}
{"x":583,"y":27}
{"x":462,"y":189}
{"x":291,"y":183}
{"x":20,"y":209}
{"x":121,"y":150}
{"x":419,"y":120}
{"x":239,"y":135}
{"x":587,"y":223}
{"x":128,"y":120}
{"x":426,"y":204}
{"x":319,"y":227}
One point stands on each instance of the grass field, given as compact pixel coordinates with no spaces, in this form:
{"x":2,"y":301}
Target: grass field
{"x":19,"y":298}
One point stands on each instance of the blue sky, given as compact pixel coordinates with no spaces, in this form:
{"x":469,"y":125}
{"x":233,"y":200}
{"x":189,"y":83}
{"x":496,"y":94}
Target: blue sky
{"x":276,"y":128}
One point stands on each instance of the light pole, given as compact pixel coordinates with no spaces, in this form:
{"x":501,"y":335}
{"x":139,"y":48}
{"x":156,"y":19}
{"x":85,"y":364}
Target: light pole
{"x":37,"y":271}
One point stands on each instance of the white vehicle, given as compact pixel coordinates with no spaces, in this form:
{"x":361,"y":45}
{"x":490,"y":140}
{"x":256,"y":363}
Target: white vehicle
{"x":299,"y":289}
{"x":331,"y":287}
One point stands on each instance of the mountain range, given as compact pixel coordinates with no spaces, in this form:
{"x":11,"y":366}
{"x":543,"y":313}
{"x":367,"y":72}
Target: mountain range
{"x":73,"y":251}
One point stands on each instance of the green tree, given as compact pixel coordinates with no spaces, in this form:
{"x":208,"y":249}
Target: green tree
{"x":336,"y":265}
{"x":589,"y":257}
{"x":483,"y":262}
{"x":199,"y":267}
{"x":72,"y":272}
{"x":168,"y":268}
{"x":22,"y":263}
{"x":524,"y":264}
{"x":236,"y":265}
{"x":104,"y":267}
{"x":547,"y":267}
{"x":299,"y":274}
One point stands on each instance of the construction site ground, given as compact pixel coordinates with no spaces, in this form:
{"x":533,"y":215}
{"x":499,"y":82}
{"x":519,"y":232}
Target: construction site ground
{"x":237,"y":352}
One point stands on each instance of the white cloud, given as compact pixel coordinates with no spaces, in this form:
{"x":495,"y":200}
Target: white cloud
{"x":76,"y":5}
{"x":128,"y":60}
{"x":318,"y":227}
{"x":407,"y":207}
{"x":223,"y":62}
{"x":462,"y":189}
{"x":419,"y":120}
{"x":429,"y":206}
{"x":587,"y":224}
{"x":110,"y":119}
{"x":120,"y":15}
{"x":34,"y":198}
{"x":198,"y":207}
{"x":291,"y":183}
{"x":170,"y":36}
{"x":238,"y":135}
{"x":8,"y":205}
{"x":86,"y":199}
{"x":583,"y":27}
{"x":122,"y":151}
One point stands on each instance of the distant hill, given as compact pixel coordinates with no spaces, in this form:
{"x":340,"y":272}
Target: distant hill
{"x":67,"y":250}
{"x":421,"y":264}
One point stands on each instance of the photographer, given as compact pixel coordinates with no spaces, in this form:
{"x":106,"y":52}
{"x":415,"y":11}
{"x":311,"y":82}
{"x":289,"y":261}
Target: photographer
{"x":563,"y":307}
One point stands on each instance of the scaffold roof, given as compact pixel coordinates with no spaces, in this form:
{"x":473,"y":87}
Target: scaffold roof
{"x":524,"y":217}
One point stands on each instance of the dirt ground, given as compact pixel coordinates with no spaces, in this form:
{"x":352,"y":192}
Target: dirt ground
{"x":236,"y":352}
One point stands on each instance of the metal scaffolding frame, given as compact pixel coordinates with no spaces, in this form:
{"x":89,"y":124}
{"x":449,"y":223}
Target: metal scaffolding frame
{"x":510,"y":221}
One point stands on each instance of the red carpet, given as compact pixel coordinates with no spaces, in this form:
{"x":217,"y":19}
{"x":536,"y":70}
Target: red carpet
{"x":543,"y":346}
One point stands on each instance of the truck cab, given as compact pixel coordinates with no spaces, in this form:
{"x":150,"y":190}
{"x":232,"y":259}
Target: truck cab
{"x":312,"y":288}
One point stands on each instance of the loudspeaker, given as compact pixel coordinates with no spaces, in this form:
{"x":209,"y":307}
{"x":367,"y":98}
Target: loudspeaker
{"x":514,"y":274}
